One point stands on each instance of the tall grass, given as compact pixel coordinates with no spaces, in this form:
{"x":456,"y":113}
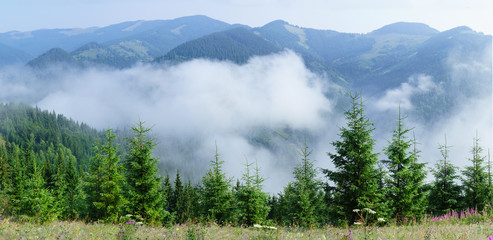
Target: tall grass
{"x":467,"y":224}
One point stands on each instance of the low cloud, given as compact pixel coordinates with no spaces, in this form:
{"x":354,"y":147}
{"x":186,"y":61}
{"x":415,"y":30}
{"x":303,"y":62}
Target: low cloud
{"x":401,"y":96}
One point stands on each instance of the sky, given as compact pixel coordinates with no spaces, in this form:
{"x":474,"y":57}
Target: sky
{"x":355,"y":16}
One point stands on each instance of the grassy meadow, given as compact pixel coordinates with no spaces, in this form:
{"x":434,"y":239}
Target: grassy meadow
{"x":464,"y":225}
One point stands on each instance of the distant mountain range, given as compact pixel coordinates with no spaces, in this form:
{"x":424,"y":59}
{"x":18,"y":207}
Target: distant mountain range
{"x":376,"y":61}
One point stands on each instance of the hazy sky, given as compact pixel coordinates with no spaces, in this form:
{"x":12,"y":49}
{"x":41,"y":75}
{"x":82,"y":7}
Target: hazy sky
{"x":346,"y":16}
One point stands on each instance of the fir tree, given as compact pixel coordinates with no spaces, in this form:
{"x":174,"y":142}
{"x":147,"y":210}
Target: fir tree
{"x":5,"y":181}
{"x":36,"y":200}
{"x":190,"y":203}
{"x":475,"y":180}
{"x":60,"y":183}
{"x":406,"y":175}
{"x":251,"y":200}
{"x":177,"y":198}
{"x":167,"y":193}
{"x":94,"y":185}
{"x":105,"y":182}
{"x":355,"y":175}
{"x":445,"y":194}
{"x":216,"y":194}
{"x":141,"y":174}
{"x":304,"y":197}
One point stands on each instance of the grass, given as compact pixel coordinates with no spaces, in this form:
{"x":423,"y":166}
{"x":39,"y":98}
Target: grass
{"x":81,"y":230}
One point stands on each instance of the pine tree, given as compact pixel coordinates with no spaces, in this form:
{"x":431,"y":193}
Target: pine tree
{"x":60,"y":186}
{"x":406,"y":175}
{"x":167,"y":193}
{"x":177,"y":199}
{"x":5,"y":181}
{"x":475,"y":180}
{"x":19,"y":179}
{"x":304,"y":197}
{"x":190,"y":202}
{"x":105,"y":181}
{"x":355,"y":175}
{"x":94,"y":185}
{"x":36,"y":200}
{"x":251,"y":200}
{"x":141,"y":175}
{"x":216,"y":193}
{"x":445,"y":194}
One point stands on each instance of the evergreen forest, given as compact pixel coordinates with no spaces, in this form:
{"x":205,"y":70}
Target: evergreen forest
{"x":53,"y":168}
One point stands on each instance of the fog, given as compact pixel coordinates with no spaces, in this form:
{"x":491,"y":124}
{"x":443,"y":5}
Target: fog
{"x":259,"y":111}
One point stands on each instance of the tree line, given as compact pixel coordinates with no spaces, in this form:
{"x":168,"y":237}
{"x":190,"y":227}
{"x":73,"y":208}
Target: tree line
{"x":51,"y":184}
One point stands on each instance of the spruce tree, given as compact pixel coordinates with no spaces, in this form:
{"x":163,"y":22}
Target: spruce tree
{"x":167,"y":193}
{"x":105,"y":181}
{"x":94,"y":185}
{"x":406,"y":175}
{"x":445,"y":193}
{"x":60,"y":185}
{"x":36,"y":200}
{"x":216,"y":195}
{"x":177,"y":199}
{"x":355,"y":175}
{"x":5,"y":181}
{"x":251,"y":200}
{"x":475,"y":180}
{"x":304,"y":197}
{"x":189,"y":202}
{"x":141,"y":175}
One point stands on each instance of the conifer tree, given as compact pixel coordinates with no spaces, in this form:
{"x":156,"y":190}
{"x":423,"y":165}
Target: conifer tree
{"x":475,"y":180}
{"x":177,"y":198}
{"x":18,"y":179}
{"x":189,"y":202}
{"x":141,"y":175}
{"x":445,"y":194}
{"x":61,"y":188}
{"x":167,"y":193}
{"x":406,"y":175}
{"x":304,"y":196}
{"x":355,"y":176}
{"x":105,"y":181}
{"x":251,"y":200}
{"x":36,"y":200}
{"x":94,"y":185}
{"x":216,"y":195}
{"x":5,"y":180}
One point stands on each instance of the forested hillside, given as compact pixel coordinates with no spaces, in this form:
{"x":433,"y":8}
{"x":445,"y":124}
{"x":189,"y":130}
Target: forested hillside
{"x":45,"y":134}
{"x":54,"y":168}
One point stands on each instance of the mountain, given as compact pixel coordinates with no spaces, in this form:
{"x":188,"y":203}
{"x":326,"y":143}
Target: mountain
{"x":10,"y":55}
{"x":406,"y":28}
{"x":53,"y":56}
{"x":236,"y":45}
{"x":146,"y":39}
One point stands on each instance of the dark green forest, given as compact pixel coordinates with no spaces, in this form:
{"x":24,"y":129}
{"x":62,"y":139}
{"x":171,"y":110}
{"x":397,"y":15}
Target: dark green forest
{"x":54,"y":168}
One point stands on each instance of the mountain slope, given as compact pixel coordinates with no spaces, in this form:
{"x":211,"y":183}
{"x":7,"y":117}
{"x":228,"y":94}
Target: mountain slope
{"x":10,"y":55}
{"x":146,"y":38}
{"x":52,"y":57}
{"x":236,"y":45}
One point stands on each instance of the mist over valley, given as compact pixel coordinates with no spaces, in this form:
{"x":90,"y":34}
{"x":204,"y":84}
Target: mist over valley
{"x":256,"y":93}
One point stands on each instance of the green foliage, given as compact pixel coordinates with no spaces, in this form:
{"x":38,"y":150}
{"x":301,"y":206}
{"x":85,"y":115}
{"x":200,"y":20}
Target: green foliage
{"x":304,"y":197}
{"x":445,"y":193}
{"x":406,"y":175}
{"x":104,"y":182}
{"x":216,"y":193}
{"x":251,"y":200}
{"x":475,"y":180}
{"x":355,"y":175}
{"x":143,"y":192}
